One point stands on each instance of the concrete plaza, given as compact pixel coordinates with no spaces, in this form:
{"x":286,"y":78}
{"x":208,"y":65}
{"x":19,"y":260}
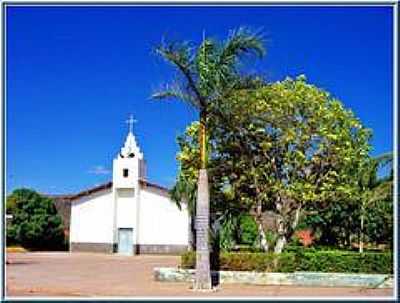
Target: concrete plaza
{"x":42,"y":274}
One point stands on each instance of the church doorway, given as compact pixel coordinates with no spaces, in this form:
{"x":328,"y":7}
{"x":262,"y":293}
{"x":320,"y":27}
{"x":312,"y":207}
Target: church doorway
{"x":125,"y":241}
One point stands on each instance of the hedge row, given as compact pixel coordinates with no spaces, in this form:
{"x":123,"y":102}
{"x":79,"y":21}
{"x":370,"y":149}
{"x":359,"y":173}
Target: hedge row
{"x":322,"y":261}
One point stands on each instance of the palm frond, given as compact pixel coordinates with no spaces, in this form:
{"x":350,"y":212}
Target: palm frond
{"x":384,"y":159}
{"x":176,"y":195}
{"x":178,"y":54}
{"x":175,"y":92}
{"x":249,"y":82}
{"x":206,"y":65}
{"x":211,"y":70}
{"x":384,"y":191}
{"x":184,"y":192}
{"x":241,"y":42}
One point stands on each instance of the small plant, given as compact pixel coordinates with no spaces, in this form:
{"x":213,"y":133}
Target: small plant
{"x":271,"y":238}
{"x":248,"y":232}
{"x":305,"y":237}
{"x":227,"y":233}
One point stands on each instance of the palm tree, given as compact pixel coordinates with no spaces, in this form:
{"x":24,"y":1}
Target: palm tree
{"x":207,"y":73}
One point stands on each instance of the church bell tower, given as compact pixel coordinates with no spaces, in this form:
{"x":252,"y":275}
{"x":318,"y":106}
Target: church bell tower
{"x":128,"y":166}
{"x":128,"y":169}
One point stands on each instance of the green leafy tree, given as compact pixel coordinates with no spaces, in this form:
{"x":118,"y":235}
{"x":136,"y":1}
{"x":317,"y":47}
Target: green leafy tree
{"x":379,"y":228}
{"x":205,"y":74}
{"x":284,"y":147}
{"x":289,"y":144}
{"x":336,"y":224}
{"x":368,"y":216}
{"x":379,"y":217}
{"x":35,"y":223}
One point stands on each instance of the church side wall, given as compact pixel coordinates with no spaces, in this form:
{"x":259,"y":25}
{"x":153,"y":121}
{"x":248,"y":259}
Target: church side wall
{"x":91,"y":226}
{"x":163,"y":228}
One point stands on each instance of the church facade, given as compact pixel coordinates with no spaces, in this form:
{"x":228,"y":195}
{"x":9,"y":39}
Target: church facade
{"x":128,"y":215}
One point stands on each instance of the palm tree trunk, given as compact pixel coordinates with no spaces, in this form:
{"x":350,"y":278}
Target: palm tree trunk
{"x":203,"y":271}
{"x":202,"y":141}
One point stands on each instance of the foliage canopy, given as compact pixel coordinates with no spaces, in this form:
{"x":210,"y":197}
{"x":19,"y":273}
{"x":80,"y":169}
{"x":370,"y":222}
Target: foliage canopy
{"x":288,"y":145}
{"x":35,"y":223}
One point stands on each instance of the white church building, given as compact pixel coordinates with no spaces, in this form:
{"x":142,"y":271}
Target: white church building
{"x":128,"y":215}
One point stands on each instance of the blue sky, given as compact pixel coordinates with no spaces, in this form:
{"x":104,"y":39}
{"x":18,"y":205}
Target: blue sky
{"x":75,"y":73}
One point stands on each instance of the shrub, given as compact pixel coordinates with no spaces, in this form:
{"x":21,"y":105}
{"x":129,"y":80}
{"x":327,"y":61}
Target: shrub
{"x":271,"y":237}
{"x":305,"y":237}
{"x":226,"y":235}
{"x":35,"y":223}
{"x":315,"y":261}
{"x":248,"y":230}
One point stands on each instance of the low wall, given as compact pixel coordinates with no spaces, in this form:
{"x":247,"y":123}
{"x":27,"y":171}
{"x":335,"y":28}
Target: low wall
{"x":109,"y":248}
{"x":169,"y":274}
{"x":160,"y":249}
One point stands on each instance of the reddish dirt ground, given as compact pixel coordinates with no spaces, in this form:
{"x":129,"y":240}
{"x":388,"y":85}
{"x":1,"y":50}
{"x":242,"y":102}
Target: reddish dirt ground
{"x":96,"y":275}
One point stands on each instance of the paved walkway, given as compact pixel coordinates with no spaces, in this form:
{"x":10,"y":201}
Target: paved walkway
{"x":97,"y":275}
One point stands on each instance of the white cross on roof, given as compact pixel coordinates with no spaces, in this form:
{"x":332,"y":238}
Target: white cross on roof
{"x":130,"y":122}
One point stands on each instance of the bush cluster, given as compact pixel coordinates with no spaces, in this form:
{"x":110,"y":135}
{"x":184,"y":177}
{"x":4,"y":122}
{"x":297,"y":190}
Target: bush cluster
{"x":248,"y":232}
{"x":321,"y":261}
{"x":35,"y":224}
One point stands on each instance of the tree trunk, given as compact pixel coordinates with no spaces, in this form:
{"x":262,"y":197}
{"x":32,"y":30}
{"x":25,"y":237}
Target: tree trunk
{"x":263,"y":239}
{"x":280,"y":243}
{"x":350,"y":240}
{"x":202,"y":141}
{"x":361,"y":240}
{"x":296,"y":218}
{"x":190,"y":234}
{"x":361,"y":244}
{"x":203,"y":272}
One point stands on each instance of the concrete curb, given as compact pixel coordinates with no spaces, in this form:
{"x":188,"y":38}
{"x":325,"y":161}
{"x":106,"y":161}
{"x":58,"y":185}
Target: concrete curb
{"x":170,"y":274}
